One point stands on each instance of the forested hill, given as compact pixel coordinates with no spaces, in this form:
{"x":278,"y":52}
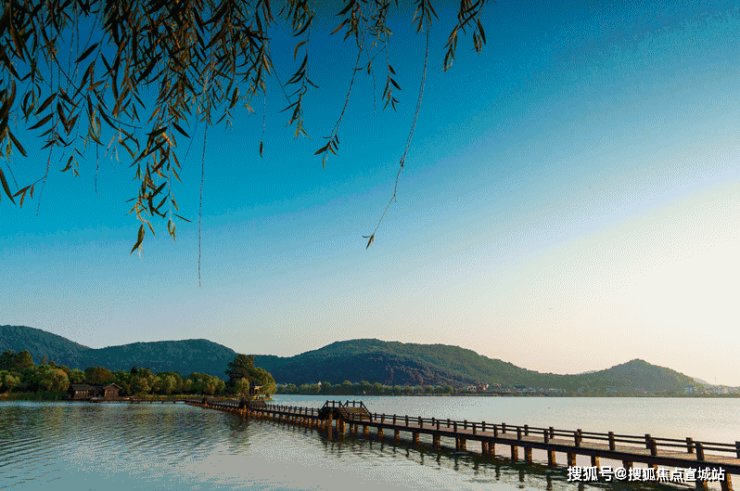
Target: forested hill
{"x":41,"y":343}
{"x":185,"y":357}
{"x":371,"y":360}
{"x":395,"y":363}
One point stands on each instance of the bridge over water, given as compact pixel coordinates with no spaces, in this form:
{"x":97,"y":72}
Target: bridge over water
{"x":337,"y":418}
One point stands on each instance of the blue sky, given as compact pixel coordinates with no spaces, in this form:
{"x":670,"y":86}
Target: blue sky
{"x":569,"y":202}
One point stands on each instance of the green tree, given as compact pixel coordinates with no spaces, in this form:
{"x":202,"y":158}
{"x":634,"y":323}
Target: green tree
{"x":241,"y":367}
{"x":77,"y":376}
{"x":220,"y":386}
{"x":209,"y":386}
{"x":206,"y":57}
{"x":98,"y":376}
{"x":122,"y":378}
{"x":60,"y":381}
{"x":169,"y":384}
{"x":158,"y":384}
{"x":10,"y":381}
{"x":140,"y":385}
{"x":7,"y":360}
{"x":242,"y":387}
{"x":23,"y":360}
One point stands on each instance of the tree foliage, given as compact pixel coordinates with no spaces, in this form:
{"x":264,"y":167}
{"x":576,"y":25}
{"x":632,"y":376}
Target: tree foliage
{"x":77,"y":72}
{"x":242,"y":371}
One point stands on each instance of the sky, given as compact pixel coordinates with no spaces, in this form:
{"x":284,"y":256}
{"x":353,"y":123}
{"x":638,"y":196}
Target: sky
{"x":570,"y":202}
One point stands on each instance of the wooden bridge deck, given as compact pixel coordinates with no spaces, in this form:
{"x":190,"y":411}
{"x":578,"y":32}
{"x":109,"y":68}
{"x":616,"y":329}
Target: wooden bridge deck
{"x":628,"y":449}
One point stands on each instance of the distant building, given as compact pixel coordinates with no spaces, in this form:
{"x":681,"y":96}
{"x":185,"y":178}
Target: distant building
{"x":84,"y":392}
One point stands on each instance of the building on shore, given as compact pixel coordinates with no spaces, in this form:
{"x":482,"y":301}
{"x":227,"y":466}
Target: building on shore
{"x":85,"y":392}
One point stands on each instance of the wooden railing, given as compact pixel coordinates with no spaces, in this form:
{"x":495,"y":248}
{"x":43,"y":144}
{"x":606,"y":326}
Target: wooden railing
{"x":482,"y":430}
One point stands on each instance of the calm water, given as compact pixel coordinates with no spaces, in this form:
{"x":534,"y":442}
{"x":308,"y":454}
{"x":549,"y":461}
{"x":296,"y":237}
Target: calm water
{"x":175,"y":447}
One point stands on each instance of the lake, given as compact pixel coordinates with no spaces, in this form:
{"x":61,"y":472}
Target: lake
{"x":79,"y":446}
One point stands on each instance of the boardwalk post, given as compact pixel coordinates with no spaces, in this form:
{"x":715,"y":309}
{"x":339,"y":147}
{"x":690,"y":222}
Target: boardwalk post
{"x":612,"y":443}
{"x":737,"y":449}
{"x":528,"y":455}
{"x":495,"y":431}
{"x":690,"y":444}
{"x":726,"y":484}
{"x":514,"y":452}
{"x":328,"y":426}
{"x":366,"y":432}
{"x":380,"y":433}
{"x":551,"y":458}
{"x":552,"y":433}
{"x":415,"y":437}
{"x":526,"y":430}
{"x":647,"y":440}
{"x":518,"y":433}
{"x":483,"y":447}
{"x":594,"y":461}
{"x":435,"y":439}
{"x":699,"y":451}
{"x":571,"y":460}
{"x":546,"y":435}
{"x":397,"y":435}
{"x":653,"y":447}
{"x":474,"y":430}
{"x":421,"y":422}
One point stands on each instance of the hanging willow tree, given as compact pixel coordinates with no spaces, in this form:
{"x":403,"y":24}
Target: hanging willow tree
{"x":203,"y":57}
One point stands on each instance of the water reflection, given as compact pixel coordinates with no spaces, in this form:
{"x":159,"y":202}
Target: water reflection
{"x":165,"y":447}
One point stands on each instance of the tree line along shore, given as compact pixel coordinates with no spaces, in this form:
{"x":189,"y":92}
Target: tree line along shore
{"x":22,"y":379}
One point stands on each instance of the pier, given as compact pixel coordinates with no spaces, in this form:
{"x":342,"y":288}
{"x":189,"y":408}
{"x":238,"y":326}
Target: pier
{"x":339,"y":418}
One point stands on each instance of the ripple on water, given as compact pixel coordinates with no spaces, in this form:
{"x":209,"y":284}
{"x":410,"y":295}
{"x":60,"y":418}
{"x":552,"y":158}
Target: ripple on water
{"x":115,"y":447}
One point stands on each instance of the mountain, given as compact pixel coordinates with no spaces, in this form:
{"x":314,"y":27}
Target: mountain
{"x":41,"y":343}
{"x":397,"y":363}
{"x":372,"y":360}
{"x":185,"y":357}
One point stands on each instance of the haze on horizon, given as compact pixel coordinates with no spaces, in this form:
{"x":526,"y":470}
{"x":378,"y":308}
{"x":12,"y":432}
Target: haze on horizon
{"x":570,"y":202}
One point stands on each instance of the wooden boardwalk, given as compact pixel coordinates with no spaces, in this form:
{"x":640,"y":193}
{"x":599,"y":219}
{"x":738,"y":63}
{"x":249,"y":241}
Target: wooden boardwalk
{"x":338,"y":417}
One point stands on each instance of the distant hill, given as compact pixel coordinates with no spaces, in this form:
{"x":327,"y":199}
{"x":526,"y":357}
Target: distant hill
{"x":185,"y":357}
{"x":408,"y":363}
{"x":372,"y":360}
{"x":41,"y":343}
